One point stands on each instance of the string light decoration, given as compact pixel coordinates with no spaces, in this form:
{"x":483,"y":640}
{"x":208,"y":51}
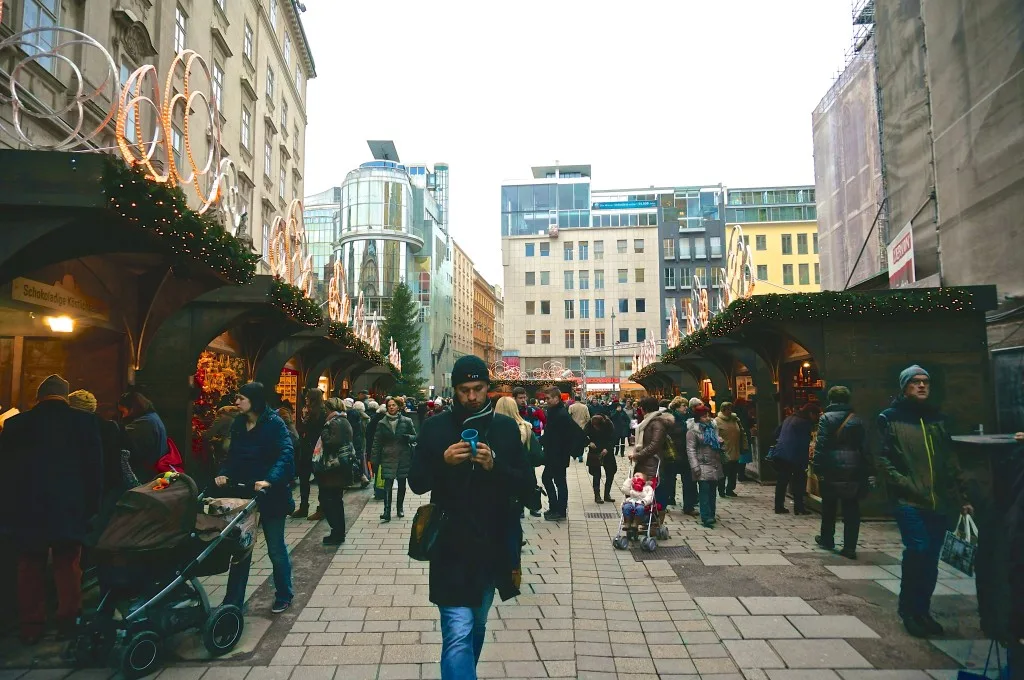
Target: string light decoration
{"x":739,"y":268}
{"x":549,"y":371}
{"x":162,"y":210}
{"x":673,"y":337}
{"x":343,"y":334}
{"x":287,"y":250}
{"x":339,"y":306}
{"x":394,"y":356}
{"x":294,"y":303}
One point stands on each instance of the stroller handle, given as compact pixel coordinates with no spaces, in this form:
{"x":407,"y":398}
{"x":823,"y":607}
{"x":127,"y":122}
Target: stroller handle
{"x":246,"y":490}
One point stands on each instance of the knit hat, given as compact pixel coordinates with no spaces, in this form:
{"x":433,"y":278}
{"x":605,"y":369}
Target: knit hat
{"x":905,"y":377}
{"x":53,"y":386}
{"x":83,"y":401}
{"x":700,"y":410}
{"x":256,"y":394}
{"x":468,"y":368}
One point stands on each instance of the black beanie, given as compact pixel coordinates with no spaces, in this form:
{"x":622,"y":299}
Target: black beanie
{"x":469,"y":368}
{"x":256,"y":394}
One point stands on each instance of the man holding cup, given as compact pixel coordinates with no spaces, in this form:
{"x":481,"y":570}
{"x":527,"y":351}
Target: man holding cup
{"x":472,"y":463}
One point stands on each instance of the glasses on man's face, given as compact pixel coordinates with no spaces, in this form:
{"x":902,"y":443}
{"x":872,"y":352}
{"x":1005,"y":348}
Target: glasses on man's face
{"x":922,"y":382}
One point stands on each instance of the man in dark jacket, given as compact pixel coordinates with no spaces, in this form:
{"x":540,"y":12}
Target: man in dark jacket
{"x":792,"y":453}
{"x":479,"y":495}
{"x":923,"y":477}
{"x":531,"y":414}
{"x":563,"y":438}
{"x":52,"y":457}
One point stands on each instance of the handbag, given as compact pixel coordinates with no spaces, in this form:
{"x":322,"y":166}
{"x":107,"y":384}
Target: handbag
{"x":958,"y":552}
{"x":378,"y":479}
{"x":1003,"y":673}
{"x":427,"y":526}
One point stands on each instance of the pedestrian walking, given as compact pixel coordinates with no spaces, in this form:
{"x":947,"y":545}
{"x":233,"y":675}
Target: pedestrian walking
{"x":392,"y":451}
{"x":261,"y":457}
{"x":601,"y":438}
{"x":734,"y":441}
{"x":704,"y":451}
{"x":923,"y":477}
{"x":652,"y":435}
{"x":358,"y":419}
{"x":40,"y":450}
{"x":479,"y":495}
{"x":843,"y":469}
{"x":335,"y":440}
{"x":620,"y":420}
{"x":531,"y":414}
{"x":563,"y":438}
{"x":792,"y":454}
{"x":310,"y":427}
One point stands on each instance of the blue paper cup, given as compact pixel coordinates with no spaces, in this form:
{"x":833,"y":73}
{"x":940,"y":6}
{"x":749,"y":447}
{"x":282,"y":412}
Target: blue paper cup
{"x":470,"y":437}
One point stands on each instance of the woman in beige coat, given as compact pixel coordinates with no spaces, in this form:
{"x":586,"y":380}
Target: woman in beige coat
{"x":734,"y":441}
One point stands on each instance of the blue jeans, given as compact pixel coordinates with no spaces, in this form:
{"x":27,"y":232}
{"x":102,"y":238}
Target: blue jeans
{"x":462,"y":637}
{"x":707,"y":499}
{"x":238,"y":575}
{"x":923,"y":532}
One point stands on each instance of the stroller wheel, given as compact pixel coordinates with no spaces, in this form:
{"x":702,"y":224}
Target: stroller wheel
{"x":223,"y":629}
{"x":663,"y":533}
{"x":649,"y":544}
{"x":139,"y":656}
{"x":620,"y":542}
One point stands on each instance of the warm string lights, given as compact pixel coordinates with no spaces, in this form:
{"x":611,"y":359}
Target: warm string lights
{"x":343,"y":334}
{"x":339,"y":305}
{"x":673,"y":336}
{"x":647,"y":355}
{"x":294,"y":303}
{"x":287,"y":254}
{"x":394,"y":356}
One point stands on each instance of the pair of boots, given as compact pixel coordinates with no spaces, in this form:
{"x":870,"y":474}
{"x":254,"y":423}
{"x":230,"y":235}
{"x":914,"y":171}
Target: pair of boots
{"x":303,"y":512}
{"x":607,"y":493}
{"x":386,"y":517}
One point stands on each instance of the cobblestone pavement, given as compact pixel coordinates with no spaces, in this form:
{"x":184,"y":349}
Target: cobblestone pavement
{"x":729,"y":610}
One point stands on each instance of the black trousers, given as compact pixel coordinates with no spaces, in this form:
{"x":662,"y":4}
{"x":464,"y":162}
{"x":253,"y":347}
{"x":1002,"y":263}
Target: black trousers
{"x":609,"y":467}
{"x":304,"y":468}
{"x":557,"y":488}
{"x":728,"y":481}
{"x":790,"y":475}
{"x":830,"y":502}
{"x":334,"y":509}
{"x":388,"y":484}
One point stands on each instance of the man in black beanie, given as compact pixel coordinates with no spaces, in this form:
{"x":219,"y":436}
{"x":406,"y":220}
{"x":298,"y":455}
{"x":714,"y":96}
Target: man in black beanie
{"x":478,"y":493}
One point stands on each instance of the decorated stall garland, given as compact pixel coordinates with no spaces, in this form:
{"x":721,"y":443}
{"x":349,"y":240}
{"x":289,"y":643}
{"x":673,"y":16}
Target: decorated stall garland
{"x":293,"y":302}
{"x":817,"y":306}
{"x":163,"y":210}
{"x":344,"y":335}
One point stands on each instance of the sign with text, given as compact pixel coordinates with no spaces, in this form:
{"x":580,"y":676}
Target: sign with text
{"x":62,"y":298}
{"x":900,"y":253}
{"x":624,"y":205}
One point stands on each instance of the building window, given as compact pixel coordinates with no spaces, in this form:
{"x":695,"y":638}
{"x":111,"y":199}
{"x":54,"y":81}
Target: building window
{"x":623,"y":276}
{"x":787,"y":244}
{"x":761,"y":242}
{"x":268,"y":158}
{"x":284,"y":116}
{"x":273,"y":14}
{"x":599,"y":308}
{"x":716,"y":246}
{"x":620,"y":246}
{"x":584,"y":309}
{"x":599,"y":338}
{"x":623,"y":305}
{"x":288,"y":49}
{"x":584,"y":338}
{"x":570,"y":339}
{"x":599,"y":250}
{"x":545,"y":337}
{"x":41,"y":14}
{"x":641,"y":334}
{"x":270,"y":82}
{"x":762,"y":272}
{"x":266,"y":237}
{"x":814,"y":239}
{"x":817,"y":274}
{"x":584,"y":280}
{"x":247,"y":40}
{"x":638,"y":245}
{"x":584,"y":250}
{"x":129,"y":123}
{"x":283,"y":182}
{"x":641,"y":305}
{"x":670,"y":277}
{"x":638,"y":275}
{"x":801,"y":244}
{"x":531,"y":307}
{"x":623,"y":335}
{"x":684,"y":248}
{"x":598,"y":279}
{"x":531,"y":278}
{"x":218,"y":85}
{"x":787,"y":275}
{"x":568,"y":280}
{"x":567,"y":251}
{"x":180,"y":29}
{"x":700,"y":248}
{"x":545,"y":278}
{"x":545,"y":306}
{"x":529,"y":250}
{"x":531,"y":337}
{"x":178,"y":145}
{"x":685,"y":277}
{"x":805,"y":275}
{"x":668,"y":247}
{"x":545,"y":249}
{"x":570,"y":306}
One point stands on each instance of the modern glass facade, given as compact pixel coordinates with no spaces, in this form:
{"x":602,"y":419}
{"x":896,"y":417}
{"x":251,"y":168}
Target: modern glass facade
{"x":321,"y":215}
{"x":528,"y":209}
{"x":785,"y":204}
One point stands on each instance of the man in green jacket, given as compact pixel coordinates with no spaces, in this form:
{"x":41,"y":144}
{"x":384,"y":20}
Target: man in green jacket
{"x":923,"y":478}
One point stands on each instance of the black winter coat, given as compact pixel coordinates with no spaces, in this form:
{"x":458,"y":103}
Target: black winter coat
{"x":480,"y":540}
{"x":52,"y":458}
{"x":263,"y":453}
{"x":620,"y":419}
{"x":562,"y":437}
{"x":840,"y":459}
{"x":793,"y":441}
{"x":603,"y":440}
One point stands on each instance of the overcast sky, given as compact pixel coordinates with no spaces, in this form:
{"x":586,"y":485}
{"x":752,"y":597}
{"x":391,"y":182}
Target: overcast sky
{"x":649,"y":92}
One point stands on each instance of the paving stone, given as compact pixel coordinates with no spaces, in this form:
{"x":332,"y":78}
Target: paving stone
{"x":269,"y":673}
{"x":412,"y":653}
{"x":706,"y":651}
{"x":753,"y":654}
{"x":313,"y":672}
{"x":285,"y":656}
{"x":802,"y":675}
{"x":708,"y":667}
{"x":765,"y":627}
{"x":511,"y":651}
{"x":595,"y":663}
{"x":717,"y":559}
{"x":720,"y":606}
{"x":885,"y":675}
{"x":189,"y":672}
{"x":632,"y":666}
{"x":667,"y":667}
{"x":860,"y":573}
{"x":337,"y":654}
{"x":819,"y":654}
{"x":761,"y":560}
{"x":397,"y":671}
{"x":777,"y":605}
{"x":831,"y":627}
{"x":226,"y":673}
{"x":561,"y":669}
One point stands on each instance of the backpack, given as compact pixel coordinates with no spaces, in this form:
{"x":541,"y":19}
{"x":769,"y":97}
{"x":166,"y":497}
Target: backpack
{"x":534,"y":451}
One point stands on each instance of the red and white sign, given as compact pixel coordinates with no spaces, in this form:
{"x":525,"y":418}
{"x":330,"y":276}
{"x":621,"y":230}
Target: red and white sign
{"x":900,"y":253}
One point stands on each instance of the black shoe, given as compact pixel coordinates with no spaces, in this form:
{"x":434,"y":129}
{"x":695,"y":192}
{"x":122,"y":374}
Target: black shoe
{"x":279,"y":606}
{"x":598,"y":499}
{"x":385,"y":518}
{"x":932,"y":626}
{"x":553,"y":516}
{"x":692,"y":512}
{"x":331,"y":539}
{"x":301,"y":513}
{"x":915,"y":626}
{"x":801,"y":512}
{"x":781,"y":511}
{"x":731,"y":494}
{"x":848,"y":554}
{"x":608,"y":498}
{"x":829,"y":545}
{"x":401,"y":513}
{"x":721,"y":494}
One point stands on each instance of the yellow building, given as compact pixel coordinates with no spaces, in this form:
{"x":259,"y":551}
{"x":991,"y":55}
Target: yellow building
{"x":781,"y":229}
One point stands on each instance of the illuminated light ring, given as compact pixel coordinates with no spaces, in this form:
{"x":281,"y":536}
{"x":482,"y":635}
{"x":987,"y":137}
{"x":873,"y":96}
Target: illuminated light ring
{"x":702,"y":309}
{"x":740,"y":268}
{"x":690,"y":325}
{"x":287,"y":251}
{"x":228,"y":195}
{"x":78,"y":97}
{"x":338,"y":303}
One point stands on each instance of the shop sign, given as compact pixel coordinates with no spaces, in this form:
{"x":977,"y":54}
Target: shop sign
{"x":624,"y":205}
{"x":900,"y":253}
{"x":62,"y":296}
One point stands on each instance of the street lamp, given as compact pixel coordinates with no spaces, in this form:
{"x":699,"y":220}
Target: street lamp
{"x":615,"y":367}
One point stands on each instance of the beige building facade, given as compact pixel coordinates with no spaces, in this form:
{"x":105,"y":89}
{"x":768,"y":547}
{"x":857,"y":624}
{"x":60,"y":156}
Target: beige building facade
{"x":483,"y":319}
{"x":462,"y":302}
{"x":499,"y":321}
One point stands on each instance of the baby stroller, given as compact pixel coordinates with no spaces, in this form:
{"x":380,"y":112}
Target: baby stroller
{"x":655,"y":529}
{"x":161,"y":538}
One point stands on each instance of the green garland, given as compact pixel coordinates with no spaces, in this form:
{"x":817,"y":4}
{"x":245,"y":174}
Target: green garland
{"x":163,"y":210}
{"x":643,"y":374}
{"x":346,"y":337}
{"x":293,"y":302}
{"x":817,"y":306}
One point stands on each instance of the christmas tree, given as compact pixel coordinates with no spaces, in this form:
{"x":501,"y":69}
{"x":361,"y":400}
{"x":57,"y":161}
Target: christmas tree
{"x":402,"y":324}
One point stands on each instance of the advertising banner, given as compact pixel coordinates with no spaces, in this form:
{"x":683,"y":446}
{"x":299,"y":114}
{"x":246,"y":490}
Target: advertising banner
{"x":900,"y":253}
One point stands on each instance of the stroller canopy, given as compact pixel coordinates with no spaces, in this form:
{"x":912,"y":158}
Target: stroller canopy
{"x":150,"y":517}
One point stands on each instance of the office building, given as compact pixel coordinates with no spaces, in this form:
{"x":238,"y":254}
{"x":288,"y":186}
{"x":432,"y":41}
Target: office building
{"x":462,"y":301}
{"x":321,"y":215}
{"x":780,"y":228}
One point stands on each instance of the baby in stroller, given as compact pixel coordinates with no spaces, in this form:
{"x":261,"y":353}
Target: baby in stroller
{"x":639,"y":493}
